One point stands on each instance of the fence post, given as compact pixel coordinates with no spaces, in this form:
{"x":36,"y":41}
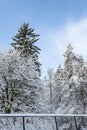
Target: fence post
{"x":56,"y":123}
{"x":75,"y":123}
{"x":23,"y":123}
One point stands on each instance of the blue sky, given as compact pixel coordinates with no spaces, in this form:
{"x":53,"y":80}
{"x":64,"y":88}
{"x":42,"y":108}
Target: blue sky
{"x":57,"y":21}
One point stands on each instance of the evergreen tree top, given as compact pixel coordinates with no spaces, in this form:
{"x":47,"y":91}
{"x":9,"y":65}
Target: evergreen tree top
{"x":69,"y":50}
{"x":25,"y":39}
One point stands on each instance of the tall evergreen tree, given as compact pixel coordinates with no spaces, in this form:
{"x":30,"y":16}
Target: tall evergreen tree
{"x":24,"y":42}
{"x":57,"y":91}
{"x":69,"y":60}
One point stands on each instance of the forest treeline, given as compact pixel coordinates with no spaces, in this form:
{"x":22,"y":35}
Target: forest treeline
{"x":22,"y":89}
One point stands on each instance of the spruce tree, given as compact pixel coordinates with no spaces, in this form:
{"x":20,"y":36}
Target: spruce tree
{"x":68,"y":55}
{"x":24,"y":41}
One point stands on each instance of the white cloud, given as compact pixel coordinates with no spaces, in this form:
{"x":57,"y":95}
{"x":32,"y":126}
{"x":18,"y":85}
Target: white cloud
{"x":72,"y":32}
{"x":56,"y":41}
